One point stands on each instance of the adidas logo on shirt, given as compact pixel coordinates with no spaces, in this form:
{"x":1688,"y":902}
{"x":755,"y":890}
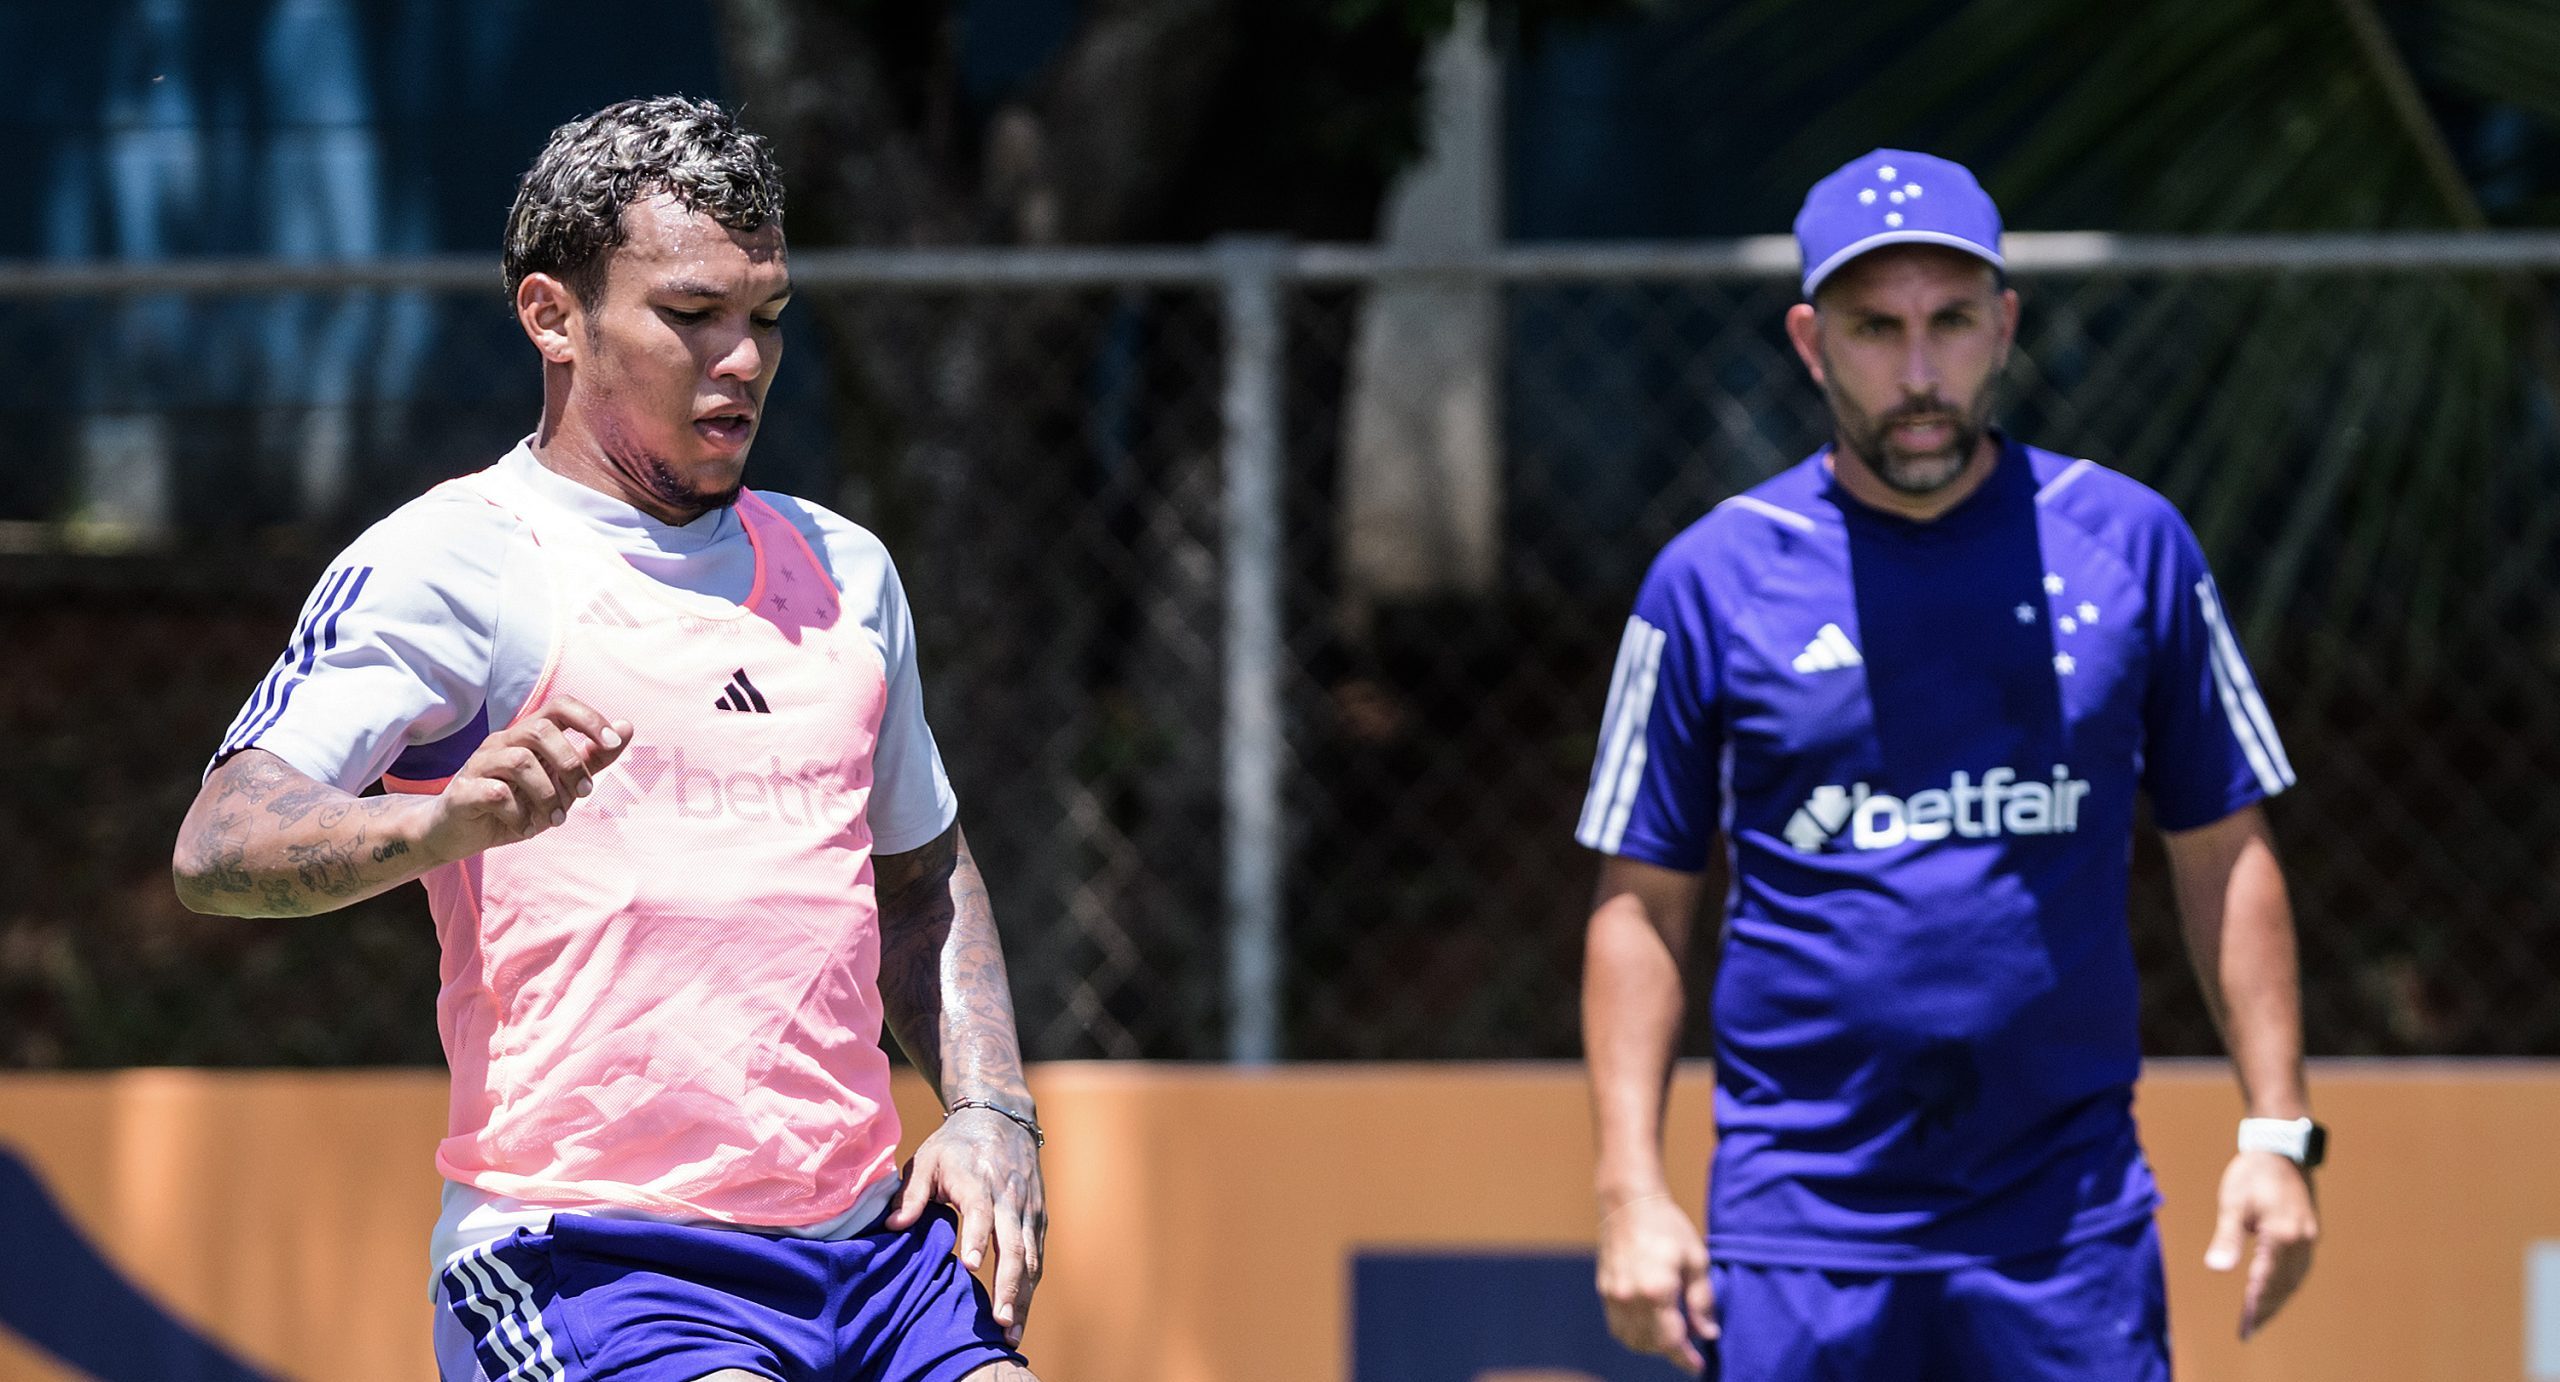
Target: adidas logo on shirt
{"x":1829,"y":651}
{"x":741,"y":694}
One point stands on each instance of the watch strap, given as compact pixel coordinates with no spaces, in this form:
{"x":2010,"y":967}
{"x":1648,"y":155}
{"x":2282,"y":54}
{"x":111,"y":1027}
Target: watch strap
{"x":2298,"y":1140}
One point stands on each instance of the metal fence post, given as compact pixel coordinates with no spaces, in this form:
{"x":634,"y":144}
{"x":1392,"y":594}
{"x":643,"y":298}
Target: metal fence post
{"x":1250,"y":273}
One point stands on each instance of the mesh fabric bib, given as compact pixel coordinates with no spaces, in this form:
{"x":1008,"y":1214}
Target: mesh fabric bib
{"x":670,"y":1003}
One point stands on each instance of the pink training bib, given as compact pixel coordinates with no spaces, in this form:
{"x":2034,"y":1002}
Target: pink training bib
{"x":671,"y":1002}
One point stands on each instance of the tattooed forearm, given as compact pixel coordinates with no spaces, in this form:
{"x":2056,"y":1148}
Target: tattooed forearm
{"x":225,"y":853}
{"x":942,"y":973}
{"x":292,"y":804}
{"x":248,"y":776}
{"x":914,"y":895}
{"x":263,"y":840}
{"x":981,"y":1048}
{"x":327,"y":866}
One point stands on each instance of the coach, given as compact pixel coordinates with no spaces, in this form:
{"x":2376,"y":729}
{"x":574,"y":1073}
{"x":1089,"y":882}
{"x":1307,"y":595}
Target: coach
{"x":1915,"y":683}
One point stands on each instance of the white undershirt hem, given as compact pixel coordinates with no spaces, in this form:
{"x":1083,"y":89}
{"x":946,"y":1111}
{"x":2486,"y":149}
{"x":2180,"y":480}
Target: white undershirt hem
{"x":472,"y":1216}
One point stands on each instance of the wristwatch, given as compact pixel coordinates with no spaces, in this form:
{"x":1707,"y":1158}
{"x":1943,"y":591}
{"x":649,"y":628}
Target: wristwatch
{"x":2298,"y":1140}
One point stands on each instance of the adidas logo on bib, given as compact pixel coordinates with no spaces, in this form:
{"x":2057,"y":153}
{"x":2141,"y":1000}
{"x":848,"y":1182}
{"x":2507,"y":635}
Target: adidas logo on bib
{"x":741,"y":694}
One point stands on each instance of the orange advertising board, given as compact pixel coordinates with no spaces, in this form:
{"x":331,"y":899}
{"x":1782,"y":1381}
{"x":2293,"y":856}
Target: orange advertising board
{"x":1216,"y":1225}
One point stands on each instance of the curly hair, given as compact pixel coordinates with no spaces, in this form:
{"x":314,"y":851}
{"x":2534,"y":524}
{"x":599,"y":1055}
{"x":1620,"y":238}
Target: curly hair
{"x":569,"y":204}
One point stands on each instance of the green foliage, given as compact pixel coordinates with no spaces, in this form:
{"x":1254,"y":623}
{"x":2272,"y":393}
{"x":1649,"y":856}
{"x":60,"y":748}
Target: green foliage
{"x":2498,"y":50}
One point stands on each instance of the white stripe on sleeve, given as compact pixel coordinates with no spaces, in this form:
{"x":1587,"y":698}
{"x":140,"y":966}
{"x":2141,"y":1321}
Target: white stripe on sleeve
{"x":1631,"y":775}
{"x":2250,"y":700}
{"x":2070,"y":474}
{"x":2241,"y":704}
{"x":1766,"y":509}
{"x":1620,"y":769}
{"x":1604,"y":766}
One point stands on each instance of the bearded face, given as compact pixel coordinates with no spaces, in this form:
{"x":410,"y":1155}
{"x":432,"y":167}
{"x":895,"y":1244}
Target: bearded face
{"x":1908,"y":342}
{"x":1920,"y":445}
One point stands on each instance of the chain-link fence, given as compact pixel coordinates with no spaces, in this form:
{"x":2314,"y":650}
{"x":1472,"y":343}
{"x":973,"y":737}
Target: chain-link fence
{"x":1267,"y":598}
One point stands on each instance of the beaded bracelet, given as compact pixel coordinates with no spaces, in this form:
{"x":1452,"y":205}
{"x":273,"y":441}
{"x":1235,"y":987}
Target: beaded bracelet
{"x":1038,"y":1138}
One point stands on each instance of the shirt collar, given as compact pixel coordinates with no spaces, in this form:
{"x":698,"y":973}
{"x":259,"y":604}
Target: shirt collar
{"x":616,"y":520}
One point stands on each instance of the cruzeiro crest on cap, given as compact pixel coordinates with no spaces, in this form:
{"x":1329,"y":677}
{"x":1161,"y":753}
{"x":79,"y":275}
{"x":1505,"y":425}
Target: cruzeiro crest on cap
{"x":1907,"y":192}
{"x":1892,"y":195}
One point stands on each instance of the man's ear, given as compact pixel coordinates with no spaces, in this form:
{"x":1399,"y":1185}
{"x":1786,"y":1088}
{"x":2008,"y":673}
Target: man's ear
{"x":551,"y":316}
{"x":1804,"y":331}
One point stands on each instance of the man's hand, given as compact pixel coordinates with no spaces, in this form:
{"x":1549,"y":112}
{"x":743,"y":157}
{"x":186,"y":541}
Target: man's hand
{"x":944,"y":994}
{"x":985,"y":1166}
{"x":2266,"y":1195}
{"x":1653,"y":1279}
{"x":523,"y":779}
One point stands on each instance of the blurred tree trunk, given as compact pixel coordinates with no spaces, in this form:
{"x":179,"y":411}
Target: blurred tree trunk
{"x":969,"y":447}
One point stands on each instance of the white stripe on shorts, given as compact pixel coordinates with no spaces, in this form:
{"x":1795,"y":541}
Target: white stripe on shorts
{"x":496,"y":1294}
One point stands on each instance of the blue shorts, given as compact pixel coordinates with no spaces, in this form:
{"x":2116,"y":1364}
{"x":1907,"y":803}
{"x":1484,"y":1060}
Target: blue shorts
{"x":645,"y":1302}
{"x":2096,"y":1311}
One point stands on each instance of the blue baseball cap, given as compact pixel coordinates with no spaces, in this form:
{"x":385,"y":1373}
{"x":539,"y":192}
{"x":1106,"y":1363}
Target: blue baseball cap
{"x":1894,"y":197}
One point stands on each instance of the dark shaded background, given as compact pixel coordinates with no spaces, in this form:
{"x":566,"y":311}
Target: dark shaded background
{"x":2369,"y":459}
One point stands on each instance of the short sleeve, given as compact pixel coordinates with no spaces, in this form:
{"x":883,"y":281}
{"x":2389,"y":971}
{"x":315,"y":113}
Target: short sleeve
{"x":391,"y":650}
{"x":911,"y":798}
{"x":2209,"y":746}
{"x":1655,"y":793}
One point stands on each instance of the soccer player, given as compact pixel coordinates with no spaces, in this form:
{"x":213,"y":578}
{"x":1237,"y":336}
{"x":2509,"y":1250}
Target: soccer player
{"x":655,"y":744}
{"x":1914,"y":685}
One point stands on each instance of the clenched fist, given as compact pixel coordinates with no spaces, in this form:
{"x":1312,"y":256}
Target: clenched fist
{"x":524,"y":779}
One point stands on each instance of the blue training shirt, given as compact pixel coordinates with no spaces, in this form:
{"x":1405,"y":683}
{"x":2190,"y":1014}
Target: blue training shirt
{"x":1921,"y":744}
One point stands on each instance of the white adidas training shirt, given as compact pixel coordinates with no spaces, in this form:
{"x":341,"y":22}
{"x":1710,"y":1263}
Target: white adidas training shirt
{"x":404,"y":659}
